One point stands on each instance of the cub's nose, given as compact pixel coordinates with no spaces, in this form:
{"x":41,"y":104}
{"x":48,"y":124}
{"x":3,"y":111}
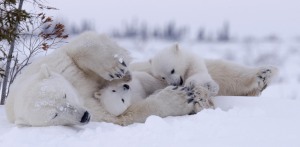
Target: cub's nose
{"x":85,"y":118}
{"x":126,"y":87}
{"x":181,"y":81}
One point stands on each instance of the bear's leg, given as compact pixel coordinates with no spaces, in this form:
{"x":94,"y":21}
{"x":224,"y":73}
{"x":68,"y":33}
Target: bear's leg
{"x":170,"y":101}
{"x":238,"y":80}
{"x":264,"y":76}
{"x":99,"y":55}
{"x":108,"y":66}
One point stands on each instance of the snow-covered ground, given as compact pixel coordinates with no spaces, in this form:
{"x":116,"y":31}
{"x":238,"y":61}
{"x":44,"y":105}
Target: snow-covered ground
{"x":271,"y":120}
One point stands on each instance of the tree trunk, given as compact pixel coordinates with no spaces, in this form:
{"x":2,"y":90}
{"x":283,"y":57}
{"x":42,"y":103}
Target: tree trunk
{"x":9,"y":58}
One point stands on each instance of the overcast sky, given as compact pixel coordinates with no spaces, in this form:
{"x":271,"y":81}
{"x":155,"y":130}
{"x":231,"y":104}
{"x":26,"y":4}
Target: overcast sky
{"x":246,"y":17}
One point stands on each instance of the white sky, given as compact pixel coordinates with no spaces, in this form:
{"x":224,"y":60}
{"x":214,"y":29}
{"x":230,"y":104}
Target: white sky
{"x":246,"y":17}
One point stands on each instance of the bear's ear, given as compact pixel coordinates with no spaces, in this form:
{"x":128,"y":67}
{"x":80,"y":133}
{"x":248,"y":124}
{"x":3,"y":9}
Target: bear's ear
{"x":97,"y":94}
{"x":45,"y":71}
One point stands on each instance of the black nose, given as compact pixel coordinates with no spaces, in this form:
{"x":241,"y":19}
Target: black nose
{"x":126,"y":87}
{"x":181,"y":81}
{"x":85,"y":118}
{"x":178,"y":83}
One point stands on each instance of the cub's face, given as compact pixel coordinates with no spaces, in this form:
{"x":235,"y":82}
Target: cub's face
{"x":53,"y":101}
{"x":169,"y":65}
{"x":115,"y":98}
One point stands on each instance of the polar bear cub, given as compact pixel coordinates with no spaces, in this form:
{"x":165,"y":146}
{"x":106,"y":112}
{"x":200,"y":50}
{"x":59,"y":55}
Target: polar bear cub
{"x":117,"y":97}
{"x":177,"y":66}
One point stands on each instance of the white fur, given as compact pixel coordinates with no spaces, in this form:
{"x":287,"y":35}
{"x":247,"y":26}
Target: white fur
{"x":116,"y":98}
{"x":239,"y":80}
{"x":177,"y":66}
{"x":77,"y":71}
{"x":233,"y":79}
{"x":85,"y":63}
{"x":47,"y":99}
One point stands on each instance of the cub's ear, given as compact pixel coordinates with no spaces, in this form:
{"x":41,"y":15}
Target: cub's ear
{"x":97,"y":94}
{"x":45,"y":71}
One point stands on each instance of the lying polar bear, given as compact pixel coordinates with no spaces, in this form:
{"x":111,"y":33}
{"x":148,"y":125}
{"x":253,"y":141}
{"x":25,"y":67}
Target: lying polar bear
{"x":172,"y":64}
{"x":58,"y":89}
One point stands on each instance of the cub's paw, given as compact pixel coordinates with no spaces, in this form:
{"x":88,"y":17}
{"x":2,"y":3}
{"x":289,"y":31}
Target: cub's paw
{"x":119,"y":70}
{"x":264,"y":76}
{"x":197,"y":97}
{"x":202,"y":98}
{"x":212,"y":87}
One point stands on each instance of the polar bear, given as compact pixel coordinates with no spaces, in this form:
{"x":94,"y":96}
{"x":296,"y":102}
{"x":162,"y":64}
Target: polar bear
{"x":117,"y":97}
{"x":177,"y":66}
{"x":77,"y":71}
{"x":88,"y":62}
{"x":233,"y":79}
{"x":49,"y":98}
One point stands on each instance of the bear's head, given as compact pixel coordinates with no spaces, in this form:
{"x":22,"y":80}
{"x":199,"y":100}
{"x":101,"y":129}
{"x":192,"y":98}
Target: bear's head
{"x":170,"y":65}
{"x":115,"y":98}
{"x":49,"y":99}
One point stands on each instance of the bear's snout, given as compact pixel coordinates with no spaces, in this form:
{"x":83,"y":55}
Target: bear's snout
{"x":126,"y":87}
{"x":178,"y":83}
{"x":85,"y":118}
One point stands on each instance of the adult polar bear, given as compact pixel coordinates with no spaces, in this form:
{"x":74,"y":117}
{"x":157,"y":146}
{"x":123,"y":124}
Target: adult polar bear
{"x":58,"y":89}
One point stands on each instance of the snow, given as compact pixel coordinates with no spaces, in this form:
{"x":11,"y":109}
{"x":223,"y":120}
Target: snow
{"x":271,"y":119}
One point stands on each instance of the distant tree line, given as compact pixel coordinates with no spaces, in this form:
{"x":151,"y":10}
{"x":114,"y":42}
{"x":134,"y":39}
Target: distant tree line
{"x":141,"y":31}
{"x":170,"y":31}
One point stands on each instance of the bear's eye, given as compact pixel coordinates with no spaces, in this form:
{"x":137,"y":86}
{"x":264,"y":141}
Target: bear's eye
{"x":123,"y":100}
{"x":65,"y":96}
{"x":113,"y":90}
{"x":163,"y":78}
{"x":172,"y":71}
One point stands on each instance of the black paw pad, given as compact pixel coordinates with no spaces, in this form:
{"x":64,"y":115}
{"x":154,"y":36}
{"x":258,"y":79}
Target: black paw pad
{"x":190,"y":100}
{"x":124,"y":64}
{"x":176,"y":87}
{"x":111,"y":76}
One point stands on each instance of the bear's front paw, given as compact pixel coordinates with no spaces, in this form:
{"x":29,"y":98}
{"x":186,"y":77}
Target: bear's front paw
{"x":201,"y":98}
{"x":197,"y":96}
{"x":211,"y":86}
{"x":119,"y":70}
{"x":264,"y":76}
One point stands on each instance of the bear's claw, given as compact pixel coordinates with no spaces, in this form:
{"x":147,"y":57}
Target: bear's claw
{"x":198,"y":96}
{"x":120,"y":70}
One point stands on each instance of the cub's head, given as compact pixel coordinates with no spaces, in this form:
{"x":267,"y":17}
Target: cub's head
{"x":51,"y":100}
{"x":115,"y":98}
{"x":170,"y":65}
